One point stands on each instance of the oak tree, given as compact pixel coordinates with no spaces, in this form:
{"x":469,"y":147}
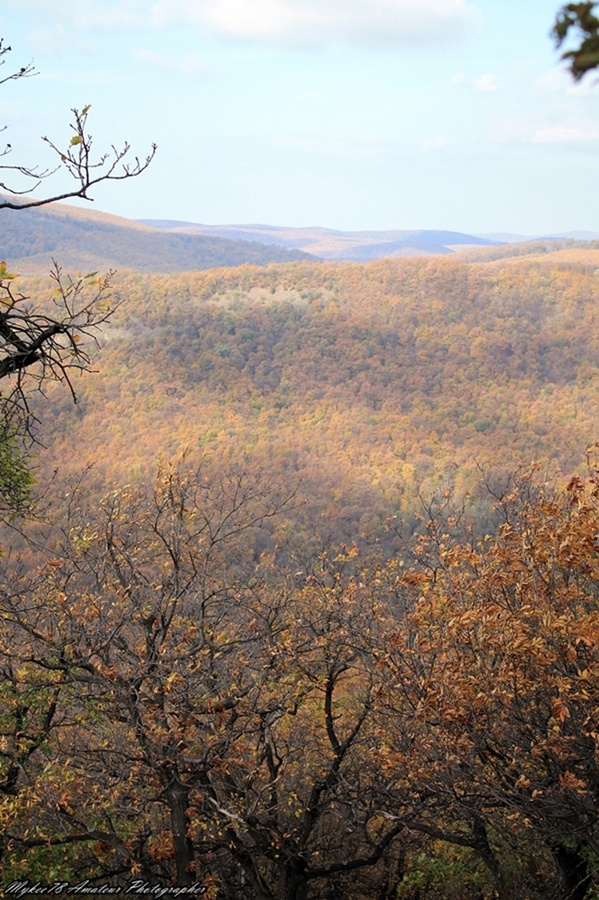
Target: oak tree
{"x":493,"y":687}
{"x":581,"y":19}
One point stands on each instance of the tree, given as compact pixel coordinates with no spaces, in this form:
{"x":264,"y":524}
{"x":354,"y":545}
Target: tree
{"x":580,"y":18}
{"x":75,"y":156}
{"x":210,"y":716}
{"x":493,"y":681}
{"x":141,"y":659}
{"x":39,"y":343}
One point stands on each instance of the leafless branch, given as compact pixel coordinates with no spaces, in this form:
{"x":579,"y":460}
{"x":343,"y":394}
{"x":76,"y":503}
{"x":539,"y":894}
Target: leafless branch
{"x":39,"y":346}
{"x":77,"y":159}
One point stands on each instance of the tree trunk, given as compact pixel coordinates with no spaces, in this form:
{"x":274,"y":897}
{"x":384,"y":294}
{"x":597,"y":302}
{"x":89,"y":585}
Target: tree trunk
{"x":574,"y":869}
{"x":484,"y":850}
{"x":177,"y":797}
{"x":293,"y":884}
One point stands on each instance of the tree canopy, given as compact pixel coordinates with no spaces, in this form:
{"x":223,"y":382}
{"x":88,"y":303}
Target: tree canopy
{"x":580,"y":19}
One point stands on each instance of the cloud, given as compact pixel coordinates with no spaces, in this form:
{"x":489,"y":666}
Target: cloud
{"x":522,"y":129}
{"x":87,"y":15}
{"x":438,"y":143}
{"x":189,"y":65}
{"x":393,"y":23}
{"x":485,"y":84}
{"x":356,"y":148}
{"x":559,"y":81}
{"x":309,"y":22}
{"x":59,"y":38}
{"x":561,"y":134}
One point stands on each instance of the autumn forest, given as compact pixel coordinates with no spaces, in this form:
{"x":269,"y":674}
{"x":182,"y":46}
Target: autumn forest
{"x":300,"y":598}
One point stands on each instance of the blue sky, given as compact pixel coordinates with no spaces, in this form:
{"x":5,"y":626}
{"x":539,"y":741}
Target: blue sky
{"x":350,"y":114}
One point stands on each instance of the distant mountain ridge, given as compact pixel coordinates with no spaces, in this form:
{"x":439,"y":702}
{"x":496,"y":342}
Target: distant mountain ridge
{"x":87,"y":239}
{"x":334,"y":245}
{"x":509,"y":238}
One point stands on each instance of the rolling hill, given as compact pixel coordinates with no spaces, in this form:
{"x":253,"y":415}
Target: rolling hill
{"x":368,"y":385}
{"x":340,"y":246}
{"x":83,"y":239}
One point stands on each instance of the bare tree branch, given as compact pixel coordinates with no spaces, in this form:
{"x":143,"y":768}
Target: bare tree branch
{"x":77,"y":159}
{"x":37,"y":347}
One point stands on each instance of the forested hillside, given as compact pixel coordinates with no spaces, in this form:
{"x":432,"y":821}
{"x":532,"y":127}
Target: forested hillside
{"x":366,"y":385}
{"x":300,"y":599}
{"x":252,"y":643}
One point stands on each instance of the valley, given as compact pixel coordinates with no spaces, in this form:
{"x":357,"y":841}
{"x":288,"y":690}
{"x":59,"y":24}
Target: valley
{"x":366,"y":385}
{"x":314,"y":550}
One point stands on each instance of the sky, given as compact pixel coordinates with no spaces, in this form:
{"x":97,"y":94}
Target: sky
{"x":346,"y":114}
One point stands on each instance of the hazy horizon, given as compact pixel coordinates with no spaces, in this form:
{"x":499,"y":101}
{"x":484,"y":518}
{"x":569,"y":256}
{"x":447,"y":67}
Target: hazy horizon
{"x":386,"y":115}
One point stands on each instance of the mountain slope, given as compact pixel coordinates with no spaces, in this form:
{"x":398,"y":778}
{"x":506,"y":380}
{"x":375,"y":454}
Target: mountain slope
{"x":366,"y":384}
{"x":85,"y":239}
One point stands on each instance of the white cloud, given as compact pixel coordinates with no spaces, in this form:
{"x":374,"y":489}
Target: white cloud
{"x":361,"y":148}
{"x":11,"y":112}
{"x":523,"y":129}
{"x":189,"y":65}
{"x":307,"y":22}
{"x":559,"y":134}
{"x":438,"y":143}
{"x":59,"y":38}
{"x":485,"y":84}
{"x":85,"y":15}
{"x":559,"y":81}
{"x":290,"y":22}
